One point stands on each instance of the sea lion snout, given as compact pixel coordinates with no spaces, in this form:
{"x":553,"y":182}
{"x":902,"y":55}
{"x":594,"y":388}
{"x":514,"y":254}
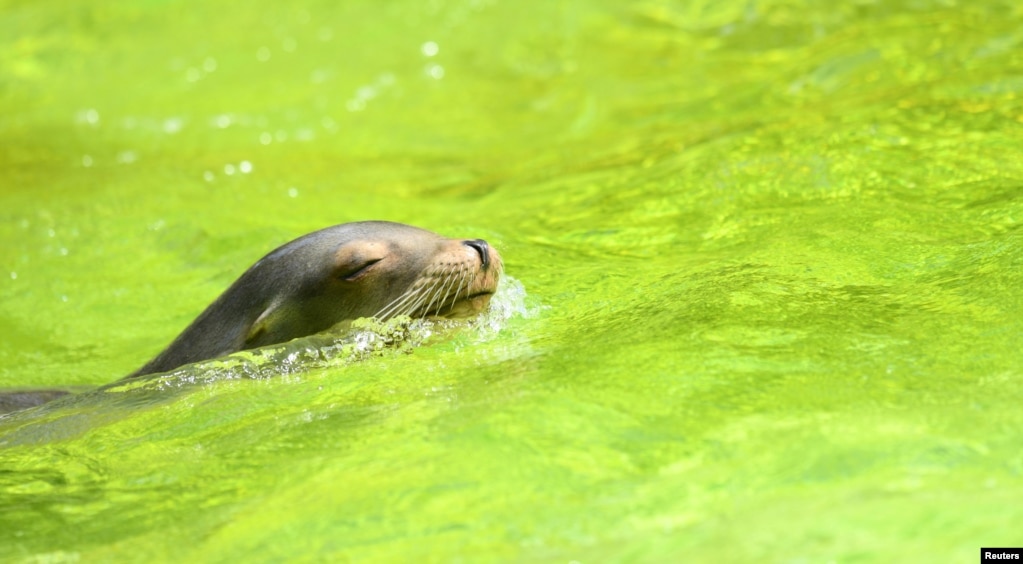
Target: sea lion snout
{"x":482,"y":248}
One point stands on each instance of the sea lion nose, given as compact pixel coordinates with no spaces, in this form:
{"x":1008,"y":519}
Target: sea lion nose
{"x":482,"y":248}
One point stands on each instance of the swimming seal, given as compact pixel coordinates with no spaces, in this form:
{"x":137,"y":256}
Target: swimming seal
{"x":365,"y":269}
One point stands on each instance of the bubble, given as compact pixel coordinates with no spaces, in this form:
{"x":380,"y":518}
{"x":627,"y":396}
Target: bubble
{"x":14,"y":275}
{"x":127,"y":157}
{"x":208,"y":176}
{"x":265,"y":138}
{"x":209,"y":64}
{"x":86,"y":161}
{"x":245,"y":167}
{"x":293,"y":192}
{"x":63,"y":251}
{"x":193,"y":74}
{"x":281,"y":135}
{"x":355,"y":105}
{"x":229,"y":169}
{"x":222,"y":121}
{"x":429,"y":49}
{"x":325,"y":34}
{"x":289,"y":45}
{"x":263,"y":54}
{"x":63,"y":299}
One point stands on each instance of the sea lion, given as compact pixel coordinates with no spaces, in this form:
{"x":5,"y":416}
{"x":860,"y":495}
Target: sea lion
{"x":365,"y":269}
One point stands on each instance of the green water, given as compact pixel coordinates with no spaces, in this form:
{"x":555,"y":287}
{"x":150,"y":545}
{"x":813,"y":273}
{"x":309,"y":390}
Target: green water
{"x":770,"y":255}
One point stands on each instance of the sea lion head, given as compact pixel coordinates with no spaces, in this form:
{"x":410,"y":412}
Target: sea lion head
{"x":370,"y":269}
{"x":389,"y":269}
{"x":335,"y":275}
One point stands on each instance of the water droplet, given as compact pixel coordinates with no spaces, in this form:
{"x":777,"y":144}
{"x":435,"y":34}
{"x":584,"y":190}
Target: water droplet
{"x":281,"y":135}
{"x":86,"y":161}
{"x":430,"y":48}
{"x":319,"y":76}
{"x":193,"y":74}
{"x":63,"y":251}
{"x":325,"y":34}
{"x":222,"y":121}
{"x":173,"y":125}
{"x":265,"y":138}
{"x":208,"y":176}
{"x":293,"y":192}
{"x":127,"y":157}
{"x":209,"y":64}
{"x":51,"y":232}
{"x":88,"y":116}
{"x":366,"y":93}
{"x":229,"y":169}
{"x":355,"y":105}
{"x":14,"y":275}
{"x":289,"y":45}
{"x":245,"y":167}
{"x":435,"y":71}
{"x":263,"y":54}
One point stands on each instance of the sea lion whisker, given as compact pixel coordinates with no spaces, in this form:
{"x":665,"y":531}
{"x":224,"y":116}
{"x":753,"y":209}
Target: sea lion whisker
{"x":407,"y":303}
{"x":446,"y":294}
{"x":438,"y":297}
{"x":465,"y":282}
{"x":395,"y":307}
{"x":416,"y":305}
{"x":435,"y":292}
{"x":461,"y":283}
{"x":384,"y":312}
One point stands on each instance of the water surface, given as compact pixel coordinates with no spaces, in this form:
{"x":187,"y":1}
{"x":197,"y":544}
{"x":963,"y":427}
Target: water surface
{"x":769,"y":253}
